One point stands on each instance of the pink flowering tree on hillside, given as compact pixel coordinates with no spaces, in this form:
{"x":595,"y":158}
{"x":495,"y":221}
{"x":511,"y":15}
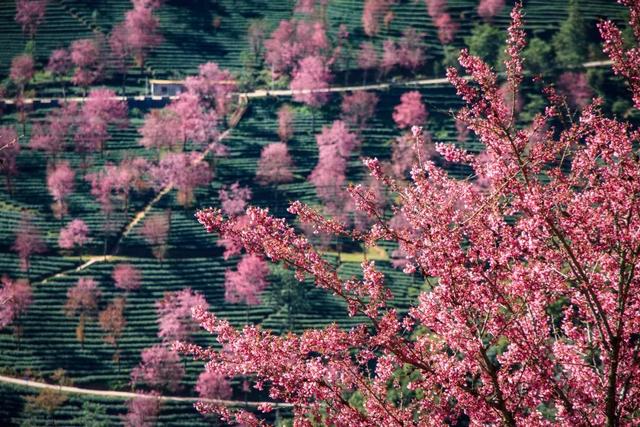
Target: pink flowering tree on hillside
{"x":213,"y":86}
{"x":30,"y":14}
{"x":28,"y":242}
{"x":155,"y":231}
{"x":60,"y":66}
{"x":140,"y":30}
{"x":82,"y":301}
{"x":51,"y":136}
{"x":274,"y":165}
{"x":174,"y":315}
{"x":213,"y":386}
{"x":160,"y":369}
{"x":234,"y":199}
{"x":367,"y":59}
{"x":126,"y":277}
{"x":182,"y":171}
{"x":529,"y":314}
{"x":487,"y":9}
{"x":195,"y":123}
{"x":373,"y":12}
{"x":15,"y":298}
{"x":142,"y":411}
{"x":244,"y":285}
{"x":575,"y":87}
{"x":408,"y":52}
{"x":88,"y":62}
{"x":358,"y":108}
{"x":161,"y":130}
{"x":285,"y":123}
{"x":22,"y":70}
{"x":8,"y":154}
{"x":102,"y":109}
{"x":74,"y":235}
{"x":310,"y":80}
{"x":61,"y":183}
{"x":292,"y":41}
{"x":447,"y":28}
{"x":411,"y":111}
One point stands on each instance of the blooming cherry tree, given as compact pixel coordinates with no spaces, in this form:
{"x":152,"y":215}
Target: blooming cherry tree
{"x":8,"y":153}
{"x":358,"y":108}
{"x":246,"y":283}
{"x":487,"y":9}
{"x":28,"y":242}
{"x":174,"y":314}
{"x":113,"y":322}
{"x":126,"y":277}
{"x":74,"y":234}
{"x":274,"y":165}
{"x":30,"y":14}
{"x":61,"y":183}
{"x":142,"y":411}
{"x":285,"y":123}
{"x":155,"y":231}
{"x":212,"y":386}
{"x":182,"y":171}
{"x":15,"y":299}
{"x":309,"y":79}
{"x":411,"y":111}
{"x":234,"y":199}
{"x":82,"y":301}
{"x":86,"y":57}
{"x":529,"y":311}
{"x":160,"y":369}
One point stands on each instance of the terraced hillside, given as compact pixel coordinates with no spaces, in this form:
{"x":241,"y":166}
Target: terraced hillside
{"x":194,"y":32}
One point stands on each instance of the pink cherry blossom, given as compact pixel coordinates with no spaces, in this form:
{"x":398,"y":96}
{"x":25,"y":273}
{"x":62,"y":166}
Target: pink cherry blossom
{"x":174,"y":314}
{"x":309,"y":79}
{"x":160,"y":369}
{"x":15,"y":299}
{"x":245,"y":284}
{"x":411,"y":111}
{"x":274,"y":165}
{"x":126,"y":277}
{"x":74,"y":234}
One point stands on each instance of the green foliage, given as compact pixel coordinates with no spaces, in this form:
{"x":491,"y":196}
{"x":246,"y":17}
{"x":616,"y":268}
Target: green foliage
{"x":538,"y":56}
{"x":486,"y":41}
{"x":92,"y":415}
{"x":288,"y":293}
{"x":570,"y":42}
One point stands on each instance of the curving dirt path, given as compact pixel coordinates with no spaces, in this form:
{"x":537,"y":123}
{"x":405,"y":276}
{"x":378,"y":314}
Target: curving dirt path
{"x":130,"y":395}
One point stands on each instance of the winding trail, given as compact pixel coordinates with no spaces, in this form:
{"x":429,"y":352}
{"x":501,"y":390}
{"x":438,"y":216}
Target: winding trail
{"x":130,"y":395}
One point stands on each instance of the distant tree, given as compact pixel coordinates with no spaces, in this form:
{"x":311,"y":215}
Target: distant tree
{"x":329,"y":177}
{"x":246,"y":283}
{"x":28,"y":242}
{"x":112,"y":321}
{"x":59,"y":66}
{"x":155,"y":231}
{"x":234,"y":198}
{"x":487,"y":9}
{"x":411,"y":111}
{"x":213,"y":386}
{"x":86,"y":57}
{"x":293,"y":41}
{"x":194,"y":123}
{"x":575,"y":87}
{"x":161,"y":130}
{"x":120,"y":50}
{"x":338,"y":137}
{"x":358,"y":108}
{"x":8,"y":153}
{"x":309,"y":79}
{"x":141,"y":28}
{"x":408,"y":52}
{"x":174,"y":315}
{"x":160,"y":369}
{"x":100,"y":110}
{"x":184,"y":172}
{"x":538,"y":56}
{"x":30,"y":14}
{"x":367,"y":59}
{"x":231,"y":248}
{"x":82,"y":301}
{"x":61,"y":183}
{"x":22,"y":70}
{"x":74,"y":235}
{"x":372,"y":12}
{"x":285,"y":123}
{"x":436,"y":8}
{"x":485,"y":41}
{"x":447,"y":28}
{"x":92,"y":415}
{"x":213,"y":86}
{"x":406,"y":151}
{"x":52,"y":135}
{"x":48,"y":401}
{"x":15,"y":298}
{"x":274,"y":165}
{"x":256,"y":36}
{"x":286,"y":291}
{"x":126,"y":277}
{"x":570,"y":42}
{"x":142,"y":411}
